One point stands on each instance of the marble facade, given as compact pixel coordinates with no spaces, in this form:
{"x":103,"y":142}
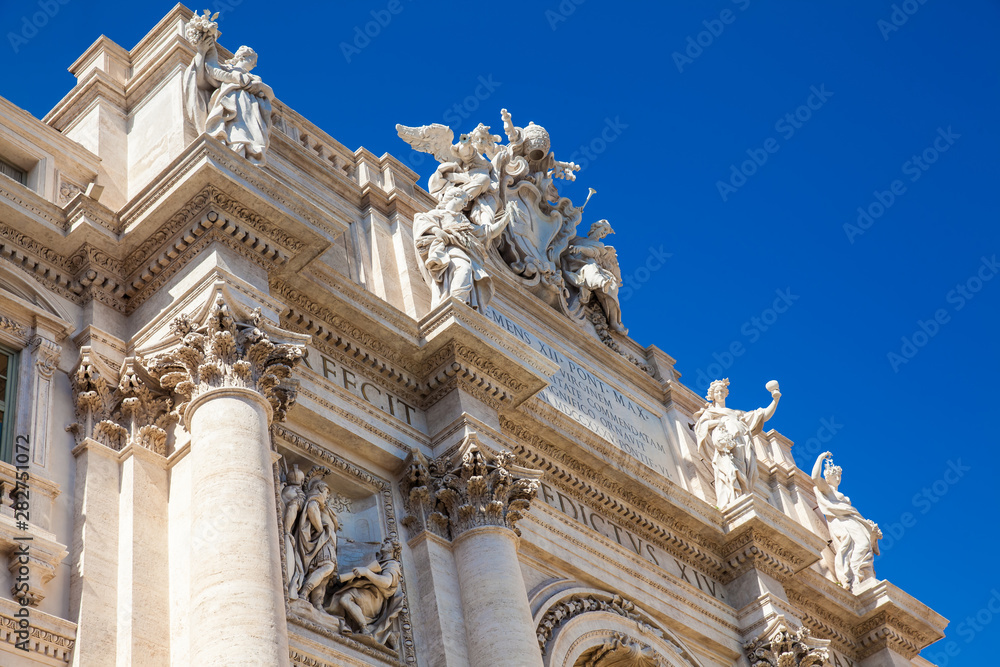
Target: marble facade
{"x":277,"y":404}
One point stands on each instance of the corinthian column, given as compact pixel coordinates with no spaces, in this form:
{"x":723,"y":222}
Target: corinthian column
{"x":235,"y":382}
{"x":476,"y":500}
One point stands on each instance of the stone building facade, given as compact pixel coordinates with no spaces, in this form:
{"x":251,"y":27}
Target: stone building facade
{"x":269,"y":402}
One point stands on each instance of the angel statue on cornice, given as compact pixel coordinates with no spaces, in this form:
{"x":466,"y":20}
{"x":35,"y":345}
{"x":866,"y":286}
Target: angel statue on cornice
{"x":223,"y":99}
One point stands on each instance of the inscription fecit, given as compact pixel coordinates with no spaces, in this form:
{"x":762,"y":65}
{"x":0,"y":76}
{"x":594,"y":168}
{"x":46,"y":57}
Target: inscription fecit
{"x":360,"y":387}
{"x":588,"y":400}
{"x":625,"y":538}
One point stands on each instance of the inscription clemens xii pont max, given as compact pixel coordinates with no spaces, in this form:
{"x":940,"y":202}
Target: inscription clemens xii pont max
{"x":588,"y":400}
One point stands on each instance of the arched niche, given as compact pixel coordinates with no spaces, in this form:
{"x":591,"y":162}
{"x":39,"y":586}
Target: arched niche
{"x":586,"y":627}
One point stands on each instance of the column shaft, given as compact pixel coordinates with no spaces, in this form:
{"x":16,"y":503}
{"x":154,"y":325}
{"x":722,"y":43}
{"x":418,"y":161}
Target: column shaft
{"x":498,"y":619}
{"x":238,"y":606}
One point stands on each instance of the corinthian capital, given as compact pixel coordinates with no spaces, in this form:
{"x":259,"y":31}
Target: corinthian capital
{"x":780,"y":646}
{"x":226,"y":352}
{"x":450,"y":495}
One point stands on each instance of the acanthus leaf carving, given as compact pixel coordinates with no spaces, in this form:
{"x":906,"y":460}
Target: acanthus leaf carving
{"x":225,"y":352}
{"x":781,"y":646}
{"x":451,"y":495}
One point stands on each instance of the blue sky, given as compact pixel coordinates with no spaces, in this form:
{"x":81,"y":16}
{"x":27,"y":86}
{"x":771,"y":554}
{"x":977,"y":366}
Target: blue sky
{"x":739,"y":138}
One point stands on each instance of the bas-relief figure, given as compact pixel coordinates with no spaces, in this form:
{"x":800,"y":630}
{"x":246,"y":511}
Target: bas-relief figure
{"x":855,"y":538}
{"x":515,"y":213}
{"x":224,"y":99}
{"x":725,"y":436}
{"x":363,"y":600}
{"x":370,"y":598}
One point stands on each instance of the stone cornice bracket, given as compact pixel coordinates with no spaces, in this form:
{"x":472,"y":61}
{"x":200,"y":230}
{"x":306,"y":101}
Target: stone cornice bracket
{"x":224,"y":352}
{"x":452,"y":494}
{"x":47,"y":355}
{"x":781,"y":646}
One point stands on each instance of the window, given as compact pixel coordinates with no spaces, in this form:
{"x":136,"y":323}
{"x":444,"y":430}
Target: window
{"x":10,"y":171}
{"x":8,"y":382}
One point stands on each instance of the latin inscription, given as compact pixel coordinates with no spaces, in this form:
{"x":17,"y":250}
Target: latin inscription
{"x":366,"y":391}
{"x":612,"y":531}
{"x":588,"y":400}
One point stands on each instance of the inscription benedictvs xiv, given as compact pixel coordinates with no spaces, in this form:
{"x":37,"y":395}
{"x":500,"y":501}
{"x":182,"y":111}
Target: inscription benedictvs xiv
{"x":599,"y":407}
{"x":590,"y":519}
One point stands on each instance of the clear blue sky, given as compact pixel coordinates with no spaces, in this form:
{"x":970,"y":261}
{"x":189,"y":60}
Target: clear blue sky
{"x":903,"y":124}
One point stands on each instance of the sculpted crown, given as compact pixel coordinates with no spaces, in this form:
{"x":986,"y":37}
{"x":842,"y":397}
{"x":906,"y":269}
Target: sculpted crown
{"x":536,"y":141}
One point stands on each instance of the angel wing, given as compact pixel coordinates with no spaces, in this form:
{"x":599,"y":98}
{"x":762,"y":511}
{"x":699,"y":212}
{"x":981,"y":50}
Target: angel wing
{"x":435,"y":139}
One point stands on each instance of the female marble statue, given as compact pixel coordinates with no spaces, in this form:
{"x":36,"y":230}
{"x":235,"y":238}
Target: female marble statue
{"x":224,"y":99}
{"x":453,"y":249}
{"x":371,"y":598}
{"x":592,"y":267}
{"x":317,"y":542}
{"x":725,"y":436}
{"x":293,"y":497}
{"x":855,"y":538}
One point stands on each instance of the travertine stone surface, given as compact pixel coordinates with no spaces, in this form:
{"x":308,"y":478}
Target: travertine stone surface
{"x":497,"y":616}
{"x":236,"y":595}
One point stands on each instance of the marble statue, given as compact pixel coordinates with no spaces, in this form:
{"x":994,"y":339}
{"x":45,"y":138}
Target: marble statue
{"x":311,"y":535}
{"x":371,"y":596}
{"x":453,"y":249}
{"x":855,"y":538}
{"x":224,"y":99}
{"x":293,"y":497}
{"x":725,"y":436}
{"x":510,"y":210}
{"x":592,"y":268}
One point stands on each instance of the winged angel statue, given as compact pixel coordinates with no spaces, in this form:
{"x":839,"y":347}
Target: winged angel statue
{"x":499,"y":200}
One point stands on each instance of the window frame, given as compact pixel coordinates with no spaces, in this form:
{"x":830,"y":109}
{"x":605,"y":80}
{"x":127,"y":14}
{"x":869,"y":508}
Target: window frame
{"x":9,"y":401}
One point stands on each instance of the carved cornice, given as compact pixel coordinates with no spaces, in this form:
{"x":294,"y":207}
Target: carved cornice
{"x":225,"y":352}
{"x":452,"y":494}
{"x":888,"y":630}
{"x":596,"y":488}
{"x":781,"y":646}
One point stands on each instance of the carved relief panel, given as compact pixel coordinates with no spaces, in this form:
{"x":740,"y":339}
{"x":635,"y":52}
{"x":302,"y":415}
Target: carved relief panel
{"x":341,"y":556}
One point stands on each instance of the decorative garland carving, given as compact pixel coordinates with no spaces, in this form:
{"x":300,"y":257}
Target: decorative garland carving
{"x":600,"y":322}
{"x":561,"y":612}
{"x":12,"y":327}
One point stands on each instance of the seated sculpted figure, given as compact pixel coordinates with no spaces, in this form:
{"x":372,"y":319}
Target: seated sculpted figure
{"x":725,"y":436}
{"x":855,"y":538}
{"x":453,"y":250}
{"x":592,"y":267}
{"x":371,"y":597}
{"x":224,"y":99}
